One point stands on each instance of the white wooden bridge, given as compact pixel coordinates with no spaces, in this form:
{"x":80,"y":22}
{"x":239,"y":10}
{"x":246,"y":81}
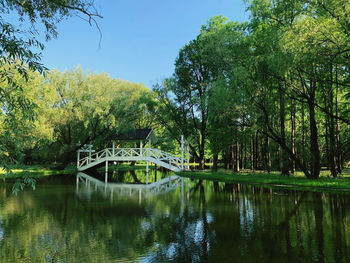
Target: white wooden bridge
{"x":155,"y":156}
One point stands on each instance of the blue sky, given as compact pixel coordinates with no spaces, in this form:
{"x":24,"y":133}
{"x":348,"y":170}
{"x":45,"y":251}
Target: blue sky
{"x":140,"y":39}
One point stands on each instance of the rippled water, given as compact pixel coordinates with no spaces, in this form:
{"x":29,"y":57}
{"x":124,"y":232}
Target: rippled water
{"x":200,"y":221}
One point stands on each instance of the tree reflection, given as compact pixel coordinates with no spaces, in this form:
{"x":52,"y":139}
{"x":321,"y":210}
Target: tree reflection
{"x":219,"y":222}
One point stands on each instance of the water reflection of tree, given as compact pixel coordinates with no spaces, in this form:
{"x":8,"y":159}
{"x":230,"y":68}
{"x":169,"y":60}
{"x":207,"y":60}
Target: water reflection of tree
{"x":133,"y":174}
{"x":38,"y":228}
{"x":184,"y":238}
{"x":220,"y":222}
{"x":283,"y":225}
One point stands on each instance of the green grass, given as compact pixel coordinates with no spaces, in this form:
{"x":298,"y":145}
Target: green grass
{"x":275,"y":179}
{"x":18,"y":171}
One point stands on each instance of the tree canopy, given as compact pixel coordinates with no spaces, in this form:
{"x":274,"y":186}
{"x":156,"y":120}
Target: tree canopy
{"x":267,"y":94}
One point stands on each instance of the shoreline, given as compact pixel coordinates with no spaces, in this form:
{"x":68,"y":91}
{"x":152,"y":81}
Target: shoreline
{"x":263,"y":179}
{"x":323,"y":184}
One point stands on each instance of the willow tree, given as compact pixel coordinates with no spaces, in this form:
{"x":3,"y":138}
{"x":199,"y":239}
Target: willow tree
{"x":25,"y":26}
{"x":83,"y":108}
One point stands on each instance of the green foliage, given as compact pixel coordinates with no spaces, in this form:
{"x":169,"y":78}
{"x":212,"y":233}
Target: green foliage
{"x":269,"y":94}
{"x":19,"y":40}
{"x":81,"y":108}
{"x":20,"y":184}
{"x":71,"y":109}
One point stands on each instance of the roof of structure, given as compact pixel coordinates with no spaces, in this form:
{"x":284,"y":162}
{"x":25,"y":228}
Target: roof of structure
{"x":135,"y":135}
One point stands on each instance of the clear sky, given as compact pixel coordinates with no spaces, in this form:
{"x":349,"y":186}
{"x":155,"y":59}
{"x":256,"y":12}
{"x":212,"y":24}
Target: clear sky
{"x":140,"y":39}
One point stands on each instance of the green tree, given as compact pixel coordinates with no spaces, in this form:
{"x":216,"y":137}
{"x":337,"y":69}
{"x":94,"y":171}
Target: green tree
{"x":21,"y":44}
{"x":86,"y":108}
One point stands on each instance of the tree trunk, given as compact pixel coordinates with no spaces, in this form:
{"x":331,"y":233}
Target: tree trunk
{"x":302,"y":131}
{"x":292,"y":135}
{"x":232,"y":157}
{"x":202,"y":142}
{"x":267,"y":154}
{"x":244,"y":157}
{"x":284,"y":157}
{"x":237,"y":155}
{"x":339,"y":151}
{"x":215,"y":162}
{"x":277,"y":138}
{"x":227,"y":158}
{"x":315,"y":165}
{"x":201,"y":159}
{"x":331,"y":126}
{"x":326,"y":139}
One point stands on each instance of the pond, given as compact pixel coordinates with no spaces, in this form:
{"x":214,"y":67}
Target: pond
{"x":199,"y":221}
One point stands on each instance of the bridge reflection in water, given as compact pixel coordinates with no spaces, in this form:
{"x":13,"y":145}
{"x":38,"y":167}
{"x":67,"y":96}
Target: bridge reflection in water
{"x":86,"y":185}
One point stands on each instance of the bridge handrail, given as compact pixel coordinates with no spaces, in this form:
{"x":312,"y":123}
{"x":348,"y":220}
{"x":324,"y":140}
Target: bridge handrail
{"x":162,"y":155}
{"x":88,"y":159}
{"x":156,"y":154}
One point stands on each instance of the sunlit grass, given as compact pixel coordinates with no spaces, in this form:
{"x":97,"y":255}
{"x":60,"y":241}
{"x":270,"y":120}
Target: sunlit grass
{"x":33,"y":171}
{"x":298,"y":180}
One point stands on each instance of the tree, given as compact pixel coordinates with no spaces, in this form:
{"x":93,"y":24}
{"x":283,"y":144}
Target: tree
{"x":18,"y":41}
{"x":185,"y":97}
{"x":83,"y":108}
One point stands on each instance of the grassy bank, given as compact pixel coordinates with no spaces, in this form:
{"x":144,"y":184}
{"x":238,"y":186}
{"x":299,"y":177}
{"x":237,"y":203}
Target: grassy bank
{"x":36,"y":171}
{"x":297,"y":181}
{"x":18,"y":171}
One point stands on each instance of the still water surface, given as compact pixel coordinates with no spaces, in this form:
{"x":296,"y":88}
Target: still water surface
{"x":205,"y":222}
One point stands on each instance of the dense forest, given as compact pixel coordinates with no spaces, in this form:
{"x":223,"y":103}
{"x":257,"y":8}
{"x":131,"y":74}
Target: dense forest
{"x":267,"y":94}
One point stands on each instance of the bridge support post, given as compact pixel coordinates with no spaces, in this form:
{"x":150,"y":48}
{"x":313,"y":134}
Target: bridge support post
{"x":78,"y":157}
{"x":147,"y":172}
{"x":106,"y":172}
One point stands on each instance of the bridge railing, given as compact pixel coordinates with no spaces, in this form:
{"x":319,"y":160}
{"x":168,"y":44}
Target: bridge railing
{"x":92,"y":158}
{"x":164,"y":157}
{"x":139,"y":153}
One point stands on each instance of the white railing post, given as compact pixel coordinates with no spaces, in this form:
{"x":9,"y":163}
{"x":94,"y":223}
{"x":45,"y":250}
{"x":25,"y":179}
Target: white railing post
{"x":188,"y":153}
{"x":182,"y":152}
{"x":90,"y":150}
{"x":141,"y":148}
{"x":78,"y":158}
{"x":113,"y":148}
